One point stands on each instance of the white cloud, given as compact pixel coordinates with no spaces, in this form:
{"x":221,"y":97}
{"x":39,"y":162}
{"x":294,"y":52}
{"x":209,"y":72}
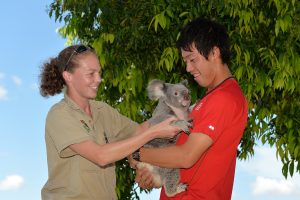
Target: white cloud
{"x":16,"y":80}
{"x":11,"y":182}
{"x":3,"y":93}
{"x":269,"y":179}
{"x":259,"y":165}
{"x":274,"y":187}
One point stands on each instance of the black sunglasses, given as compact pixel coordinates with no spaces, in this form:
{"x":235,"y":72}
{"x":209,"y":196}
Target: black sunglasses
{"x":78,"y":50}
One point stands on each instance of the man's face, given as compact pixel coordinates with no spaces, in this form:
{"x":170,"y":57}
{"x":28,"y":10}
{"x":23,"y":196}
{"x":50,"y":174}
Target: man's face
{"x":201,"y":68}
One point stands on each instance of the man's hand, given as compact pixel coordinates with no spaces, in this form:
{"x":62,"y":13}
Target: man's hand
{"x":144,"y":178}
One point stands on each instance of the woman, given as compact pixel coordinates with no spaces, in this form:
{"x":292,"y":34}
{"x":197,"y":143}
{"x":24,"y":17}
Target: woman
{"x":85,"y":137}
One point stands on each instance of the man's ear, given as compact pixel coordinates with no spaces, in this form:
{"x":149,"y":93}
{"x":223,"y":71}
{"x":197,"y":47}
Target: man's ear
{"x":67,"y":76}
{"x":215,"y":53}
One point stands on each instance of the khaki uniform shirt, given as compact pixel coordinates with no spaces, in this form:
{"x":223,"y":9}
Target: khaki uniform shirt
{"x":70,"y":175}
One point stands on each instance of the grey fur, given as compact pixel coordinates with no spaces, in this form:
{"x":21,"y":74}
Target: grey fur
{"x":173,"y":100}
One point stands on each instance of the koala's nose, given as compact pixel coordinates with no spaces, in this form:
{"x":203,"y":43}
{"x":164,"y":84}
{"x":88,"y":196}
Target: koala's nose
{"x":186,"y":95}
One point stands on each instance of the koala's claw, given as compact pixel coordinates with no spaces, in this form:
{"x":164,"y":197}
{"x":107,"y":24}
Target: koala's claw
{"x":184,"y":125}
{"x":190,"y":120}
{"x":181,"y":187}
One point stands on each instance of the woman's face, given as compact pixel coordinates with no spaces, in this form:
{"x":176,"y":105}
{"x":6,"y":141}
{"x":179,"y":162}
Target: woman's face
{"x":83,"y":82}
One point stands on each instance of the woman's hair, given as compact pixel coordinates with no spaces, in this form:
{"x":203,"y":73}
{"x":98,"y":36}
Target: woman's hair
{"x":206,"y":35}
{"x":51,"y":79}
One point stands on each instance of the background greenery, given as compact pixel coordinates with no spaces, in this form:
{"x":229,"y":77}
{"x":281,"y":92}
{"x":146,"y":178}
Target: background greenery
{"x":135,"y":41}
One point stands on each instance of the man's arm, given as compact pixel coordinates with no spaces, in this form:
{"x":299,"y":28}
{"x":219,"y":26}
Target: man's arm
{"x":179,"y":156}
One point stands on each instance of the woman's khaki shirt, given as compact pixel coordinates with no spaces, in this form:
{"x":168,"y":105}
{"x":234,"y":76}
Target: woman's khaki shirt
{"x":71,"y":176}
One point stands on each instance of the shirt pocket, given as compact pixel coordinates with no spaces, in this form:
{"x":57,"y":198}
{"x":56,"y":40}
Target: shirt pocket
{"x":101,"y":135}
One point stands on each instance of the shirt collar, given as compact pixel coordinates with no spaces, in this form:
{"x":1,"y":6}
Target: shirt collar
{"x":70,"y":102}
{"x":93,"y":103}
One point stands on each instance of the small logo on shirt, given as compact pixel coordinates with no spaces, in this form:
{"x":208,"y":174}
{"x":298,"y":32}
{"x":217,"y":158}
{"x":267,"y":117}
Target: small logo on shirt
{"x":198,"y":106}
{"x":85,"y":126}
{"x":211,"y":127}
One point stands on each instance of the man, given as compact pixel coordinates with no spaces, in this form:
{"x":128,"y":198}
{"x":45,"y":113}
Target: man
{"x":207,"y":157}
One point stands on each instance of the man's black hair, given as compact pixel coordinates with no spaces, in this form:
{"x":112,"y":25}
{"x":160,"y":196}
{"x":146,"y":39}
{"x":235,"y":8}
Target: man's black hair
{"x":206,"y":35}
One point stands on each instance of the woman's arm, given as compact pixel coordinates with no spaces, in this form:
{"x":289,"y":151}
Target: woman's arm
{"x":111,"y":152}
{"x":142,"y":127}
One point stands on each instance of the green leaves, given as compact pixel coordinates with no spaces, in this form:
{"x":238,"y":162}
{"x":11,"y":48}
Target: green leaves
{"x":283,"y":24}
{"x":169,"y":58}
{"x":162,"y":19}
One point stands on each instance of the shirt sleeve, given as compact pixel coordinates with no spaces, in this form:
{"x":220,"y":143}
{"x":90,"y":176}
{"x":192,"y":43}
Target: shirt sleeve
{"x":64,"y":130}
{"x":116,"y":125}
{"x":214,"y":115}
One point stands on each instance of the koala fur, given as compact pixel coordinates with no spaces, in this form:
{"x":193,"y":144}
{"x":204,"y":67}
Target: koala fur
{"x":173,"y":100}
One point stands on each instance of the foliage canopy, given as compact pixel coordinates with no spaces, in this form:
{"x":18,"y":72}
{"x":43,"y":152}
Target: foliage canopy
{"x":135,"y":41}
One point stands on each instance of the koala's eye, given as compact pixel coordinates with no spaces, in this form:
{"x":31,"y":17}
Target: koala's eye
{"x":176,"y":93}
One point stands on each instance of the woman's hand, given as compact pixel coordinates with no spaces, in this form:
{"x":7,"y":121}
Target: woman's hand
{"x":165,"y":129}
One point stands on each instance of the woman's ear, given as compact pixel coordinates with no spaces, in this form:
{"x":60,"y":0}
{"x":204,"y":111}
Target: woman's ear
{"x":67,"y":76}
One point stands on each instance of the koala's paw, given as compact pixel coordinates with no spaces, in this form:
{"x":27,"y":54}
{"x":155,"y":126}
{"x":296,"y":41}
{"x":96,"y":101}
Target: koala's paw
{"x":184,"y":125}
{"x":181,"y":187}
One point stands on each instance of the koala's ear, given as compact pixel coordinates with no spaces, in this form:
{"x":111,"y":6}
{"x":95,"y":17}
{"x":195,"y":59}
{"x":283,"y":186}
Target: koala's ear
{"x":185,"y":82}
{"x":156,"y":89}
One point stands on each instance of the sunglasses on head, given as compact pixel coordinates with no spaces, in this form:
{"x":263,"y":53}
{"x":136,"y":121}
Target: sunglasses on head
{"x":80,"y":49}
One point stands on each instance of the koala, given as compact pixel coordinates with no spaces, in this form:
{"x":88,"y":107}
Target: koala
{"x":173,"y":100}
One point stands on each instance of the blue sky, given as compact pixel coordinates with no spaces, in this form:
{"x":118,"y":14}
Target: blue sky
{"x":28,"y":38}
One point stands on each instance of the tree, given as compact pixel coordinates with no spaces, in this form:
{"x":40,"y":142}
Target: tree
{"x":135,"y":41}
